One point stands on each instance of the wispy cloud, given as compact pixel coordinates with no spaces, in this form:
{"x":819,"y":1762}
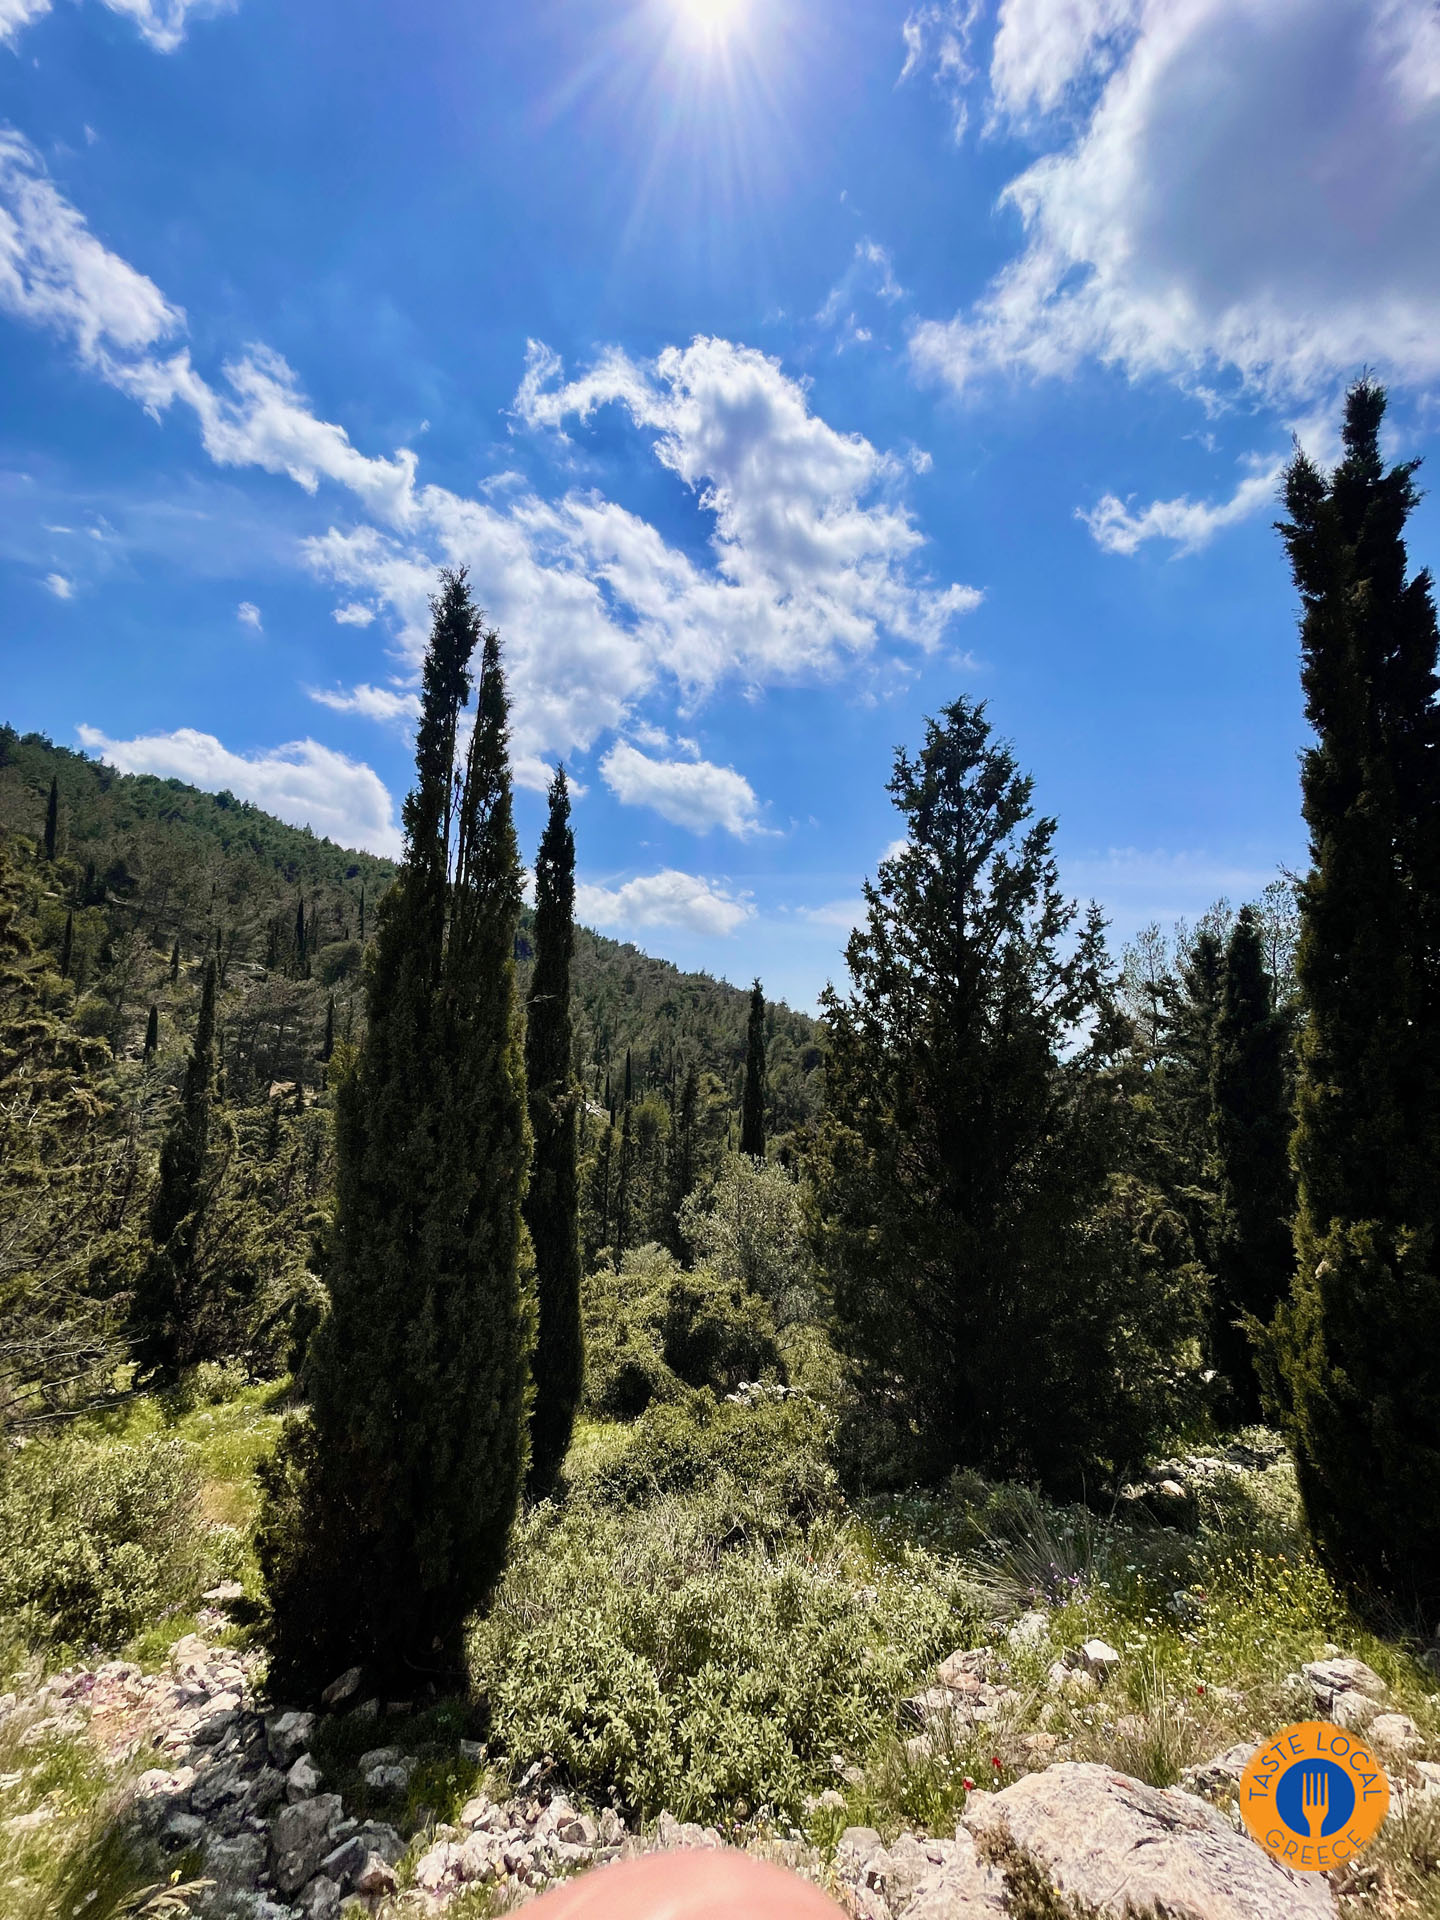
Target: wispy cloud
{"x":248,"y":614}
{"x":375,"y":703}
{"x":688,"y":793}
{"x":1189,"y":524}
{"x":161,"y":23}
{"x":665,"y":899}
{"x":356,"y":614}
{"x":303,"y":783}
{"x":60,"y":586}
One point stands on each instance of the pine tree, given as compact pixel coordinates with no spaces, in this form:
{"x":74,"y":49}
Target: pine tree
{"x":1358,"y":1348}
{"x":388,"y":1513}
{"x":552,"y":1209}
{"x":152,"y":1033}
{"x":67,"y":947}
{"x":170,"y":1315}
{"x":52,"y":818}
{"x":752,"y":1106}
{"x":1252,"y":1247}
{"x":988,"y":1281}
{"x":302,"y":967}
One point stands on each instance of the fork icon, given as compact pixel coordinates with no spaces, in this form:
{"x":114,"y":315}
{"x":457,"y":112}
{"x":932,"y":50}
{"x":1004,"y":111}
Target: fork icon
{"x":1315,"y":1799}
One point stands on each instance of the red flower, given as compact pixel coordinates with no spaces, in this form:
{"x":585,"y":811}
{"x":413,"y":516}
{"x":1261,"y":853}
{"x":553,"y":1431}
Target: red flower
{"x":1201,"y":1687}
{"x":969,"y":1785}
{"x":995,"y":1763}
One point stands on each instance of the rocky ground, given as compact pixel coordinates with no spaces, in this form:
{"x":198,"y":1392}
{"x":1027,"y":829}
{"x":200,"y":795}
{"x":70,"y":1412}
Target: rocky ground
{"x":241,"y":1791}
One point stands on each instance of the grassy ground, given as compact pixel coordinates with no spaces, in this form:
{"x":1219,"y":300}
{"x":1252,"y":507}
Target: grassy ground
{"x":702,"y":1623}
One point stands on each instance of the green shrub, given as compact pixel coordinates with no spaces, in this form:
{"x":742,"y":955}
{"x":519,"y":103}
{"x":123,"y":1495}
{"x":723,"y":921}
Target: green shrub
{"x":776,"y":1452}
{"x":652,"y":1329}
{"x":97,"y":1540}
{"x":671,"y":1655}
{"x":717,"y":1334}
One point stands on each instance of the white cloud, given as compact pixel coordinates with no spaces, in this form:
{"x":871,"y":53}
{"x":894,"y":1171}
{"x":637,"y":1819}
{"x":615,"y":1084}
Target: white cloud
{"x":304,"y":783}
{"x":248,"y":614}
{"x":15,"y":15}
{"x":844,"y":914}
{"x":689,"y":793}
{"x":870,"y":274}
{"x":160,"y":22}
{"x":1188,"y":523}
{"x":1236,"y":191}
{"x":54,"y":272}
{"x":356,"y":614}
{"x":665,"y":899}
{"x":375,"y":703}
{"x":814,"y":555}
{"x":62,"y":588}
{"x":937,"y":38}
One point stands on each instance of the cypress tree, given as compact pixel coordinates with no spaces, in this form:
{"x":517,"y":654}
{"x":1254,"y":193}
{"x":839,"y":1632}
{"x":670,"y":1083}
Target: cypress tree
{"x":67,"y":946}
{"x":752,"y":1108}
{"x":999,"y":1313}
{"x":682,"y":1156}
{"x":152,"y":1033}
{"x":388,"y":1513}
{"x":52,"y":817}
{"x":362,"y":913}
{"x":301,"y":968}
{"x":168,"y":1314}
{"x":622,"y":1180}
{"x":552,"y":1208}
{"x":327,"y":1046}
{"x":1252,"y":1249}
{"x":1358,"y":1347}
{"x":175,"y":961}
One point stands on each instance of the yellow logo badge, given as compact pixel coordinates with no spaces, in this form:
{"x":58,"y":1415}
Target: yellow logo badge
{"x":1313,"y":1796}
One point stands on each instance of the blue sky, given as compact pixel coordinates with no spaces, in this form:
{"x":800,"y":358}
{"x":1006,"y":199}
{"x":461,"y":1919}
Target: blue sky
{"x":779,"y":369}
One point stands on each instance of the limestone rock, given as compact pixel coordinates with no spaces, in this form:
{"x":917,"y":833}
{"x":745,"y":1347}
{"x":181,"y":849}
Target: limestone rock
{"x":1394,"y":1733}
{"x":218,"y":1719}
{"x":303,"y":1780}
{"x":1099,"y":1659}
{"x":1212,"y":1778}
{"x":236,"y":1863}
{"x":1113,"y":1842}
{"x":964,"y":1669}
{"x":344,"y":1687}
{"x":1345,"y":1691}
{"x":377,"y":1876}
{"x":300,"y":1838}
{"x":287,"y":1736}
{"x":961,"y":1887}
{"x":182,"y":1830}
{"x":320,"y":1899}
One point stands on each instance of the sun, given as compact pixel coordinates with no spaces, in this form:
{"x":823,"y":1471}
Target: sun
{"x":710,"y":20}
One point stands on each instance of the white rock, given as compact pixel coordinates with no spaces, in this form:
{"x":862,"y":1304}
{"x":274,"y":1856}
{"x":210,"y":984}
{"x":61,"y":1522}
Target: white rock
{"x":1099,"y":1836}
{"x":300,"y":1837}
{"x":303,"y":1779}
{"x":377,"y":1876}
{"x":344,"y":1687}
{"x":436,"y":1865}
{"x":288,"y":1735}
{"x":1099,"y":1658}
{"x":320,"y":1899}
{"x":1396,"y":1733}
{"x":236,"y":1862}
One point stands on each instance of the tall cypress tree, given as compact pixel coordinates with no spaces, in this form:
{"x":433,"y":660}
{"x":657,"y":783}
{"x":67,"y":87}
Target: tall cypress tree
{"x":1358,"y":1348}
{"x":752,"y":1106}
{"x":388,"y":1512}
{"x":1251,"y":1244}
{"x":67,"y":947}
{"x":327,"y":1045}
{"x":175,"y":961}
{"x":552,"y":1208}
{"x":152,"y":1033}
{"x":52,"y":817}
{"x":168,"y":1314}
